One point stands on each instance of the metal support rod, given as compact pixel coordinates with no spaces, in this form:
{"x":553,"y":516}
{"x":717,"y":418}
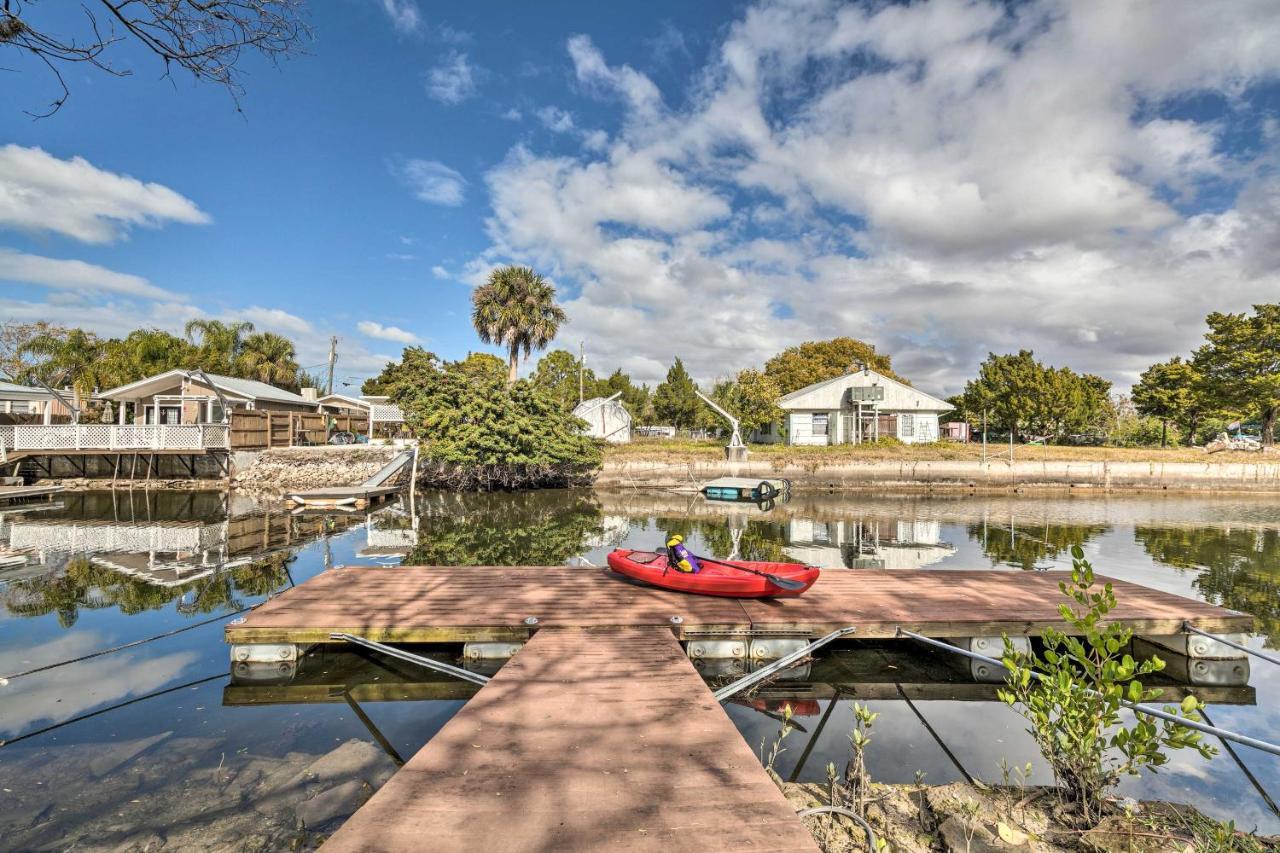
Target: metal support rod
{"x":401,"y":654}
{"x":1257,"y":786}
{"x":813,"y":738}
{"x":780,"y":664}
{"x":1191,"y":629}
{"x":951,"y":756}
{"x":373,"y":729}
{"x":1146,"y":710}
{"x":735,"y":440}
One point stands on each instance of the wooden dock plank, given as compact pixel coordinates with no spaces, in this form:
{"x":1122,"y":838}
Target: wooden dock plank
{"x":444,"y":604}
{"x":586,"y":740}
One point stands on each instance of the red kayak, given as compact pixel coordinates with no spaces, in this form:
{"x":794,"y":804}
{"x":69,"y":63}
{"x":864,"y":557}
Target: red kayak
{"x":713,"y":579}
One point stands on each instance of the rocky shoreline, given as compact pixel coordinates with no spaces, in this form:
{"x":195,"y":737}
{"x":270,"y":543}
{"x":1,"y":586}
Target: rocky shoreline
{"x":287,"y":469}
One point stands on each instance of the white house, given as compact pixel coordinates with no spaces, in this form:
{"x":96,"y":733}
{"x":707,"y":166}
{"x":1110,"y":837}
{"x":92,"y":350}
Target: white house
{"x":862,"y":405}
{"x":606,"y":418}
{"x":180,"y":397}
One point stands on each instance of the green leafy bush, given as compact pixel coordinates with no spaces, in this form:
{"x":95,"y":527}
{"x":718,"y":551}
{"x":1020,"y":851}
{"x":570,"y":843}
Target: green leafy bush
{"x":478,"y":432}
{"x":1075,"y":710}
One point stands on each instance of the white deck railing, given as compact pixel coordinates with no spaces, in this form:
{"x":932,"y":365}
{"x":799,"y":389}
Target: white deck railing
{"x":107,"y":437}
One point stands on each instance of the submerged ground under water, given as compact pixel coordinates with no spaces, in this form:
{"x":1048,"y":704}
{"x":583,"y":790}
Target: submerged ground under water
{"x":154,"y":743}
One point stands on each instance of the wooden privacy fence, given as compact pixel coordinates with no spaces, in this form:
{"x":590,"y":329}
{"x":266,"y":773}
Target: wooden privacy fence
{"x":254,"y":430}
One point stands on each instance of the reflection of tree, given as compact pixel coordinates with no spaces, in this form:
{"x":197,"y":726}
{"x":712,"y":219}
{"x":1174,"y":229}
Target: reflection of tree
{"x":536,"y":528}
{"x":1024,"y":547}
{"x":1241,"y":567}
{"x":760,"y":540}
{"x":89,"y":586}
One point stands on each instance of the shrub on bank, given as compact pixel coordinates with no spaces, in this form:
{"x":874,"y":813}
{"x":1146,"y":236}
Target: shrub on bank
{"x":478,"y":432}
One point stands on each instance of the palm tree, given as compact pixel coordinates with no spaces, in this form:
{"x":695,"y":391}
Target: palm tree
{"x":268,"y":357}
{"x":517,"y":309}
{"x":75,"y":355}
{"x":220,"y":343}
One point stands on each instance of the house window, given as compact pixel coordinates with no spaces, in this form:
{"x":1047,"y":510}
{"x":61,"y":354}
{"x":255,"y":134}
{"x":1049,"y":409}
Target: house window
{"x":906,"y":426}
{"x":215,"y":412}
{"x":819,"y":423}
{"x":766,"y":429}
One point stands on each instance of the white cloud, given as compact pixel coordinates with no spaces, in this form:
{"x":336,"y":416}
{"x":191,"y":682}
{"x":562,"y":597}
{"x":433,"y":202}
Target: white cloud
{"x":453,"y":80}
{"x":22,"y":268}
{"x":404,"y":14}
{"x":432,"y":181}
{"x":400,"y":256}
{"x":386,"y":333}
{"x":39,"y":192}
{"x":276,"y":320}
{"x":440,"y":272}
{"x":943,"y":179}
{"x":556,"y":119}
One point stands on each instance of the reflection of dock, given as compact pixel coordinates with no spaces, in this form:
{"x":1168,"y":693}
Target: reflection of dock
{"x":15,"y":494}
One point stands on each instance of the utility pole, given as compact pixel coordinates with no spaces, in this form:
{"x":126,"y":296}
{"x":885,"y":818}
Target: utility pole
{"x":333,"y":359}
{"x":582,"y":366}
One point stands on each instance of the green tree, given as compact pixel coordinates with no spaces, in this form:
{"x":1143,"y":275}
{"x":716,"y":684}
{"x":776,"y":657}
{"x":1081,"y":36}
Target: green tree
{"x":1171,"y":391}
{"x":1024,"y":396}
{"x":516,"y":308}
{"x":142,"y":353}
{"x":219,"y":343}
{"x":1241,"y":364}
{"x":557,"y":374}
{"x":15,"y":361}
{"x":634,"y":397}
{"x":477,"y":431}
{"x":675,"y":401}
{"x":400,"y":375}
{"x":816,"y":361}
{"x":74,"y":356}
{"x":752,"y":398}
{"x":1072,"y":695}
{"x":268,"y":357}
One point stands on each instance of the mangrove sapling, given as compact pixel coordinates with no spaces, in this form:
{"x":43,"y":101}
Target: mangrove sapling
{"x":1074,"y":711}
{"x":772,"y":758}
{"x":855,"y":774}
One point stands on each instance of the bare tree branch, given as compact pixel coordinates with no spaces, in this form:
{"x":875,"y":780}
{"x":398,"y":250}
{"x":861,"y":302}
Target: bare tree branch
{"x":205,"y":37}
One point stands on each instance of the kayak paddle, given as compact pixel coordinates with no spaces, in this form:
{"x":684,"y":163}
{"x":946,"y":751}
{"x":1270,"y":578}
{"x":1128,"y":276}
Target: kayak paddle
{"x":785,"y":583}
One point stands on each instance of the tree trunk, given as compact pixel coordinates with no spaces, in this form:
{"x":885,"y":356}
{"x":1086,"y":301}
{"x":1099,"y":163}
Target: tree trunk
{"x":513,"y":361}
{"x":1269,"y":424}
{"x":1164,"y":433}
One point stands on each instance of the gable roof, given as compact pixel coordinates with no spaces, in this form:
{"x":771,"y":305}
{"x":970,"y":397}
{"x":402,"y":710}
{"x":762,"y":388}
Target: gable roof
{"x":343,"y":398}
{"x":244,"y":389}
{"x":936,"y":403}
{"x":7,"y":388}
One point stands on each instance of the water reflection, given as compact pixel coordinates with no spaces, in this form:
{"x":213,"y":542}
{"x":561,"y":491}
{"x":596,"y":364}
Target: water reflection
{"x":164,"y":571}
{"x":1240,"y":567}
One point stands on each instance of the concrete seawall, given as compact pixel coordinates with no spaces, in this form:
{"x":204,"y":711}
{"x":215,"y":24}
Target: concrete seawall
{"x":956,"y":474}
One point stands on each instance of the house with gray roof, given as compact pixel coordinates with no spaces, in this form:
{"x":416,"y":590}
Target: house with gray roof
{"x":184,"y":397}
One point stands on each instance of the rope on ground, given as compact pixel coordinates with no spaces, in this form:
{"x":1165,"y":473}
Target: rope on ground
{"x":5,"y":679}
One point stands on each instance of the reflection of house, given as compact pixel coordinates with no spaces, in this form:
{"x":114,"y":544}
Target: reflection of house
{"x":872,"y":543}
{"x":860,"y":406}
{"x":180,"y":397}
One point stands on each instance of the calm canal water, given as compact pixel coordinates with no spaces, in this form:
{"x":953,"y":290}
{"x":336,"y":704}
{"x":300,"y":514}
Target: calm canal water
{"x":157,"y":742}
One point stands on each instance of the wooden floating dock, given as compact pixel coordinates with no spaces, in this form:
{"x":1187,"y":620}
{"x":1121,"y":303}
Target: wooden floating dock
{"x":418,"y":604}
{"x":600,"y":734}
{"x":586,"y":740}
{"x":9,"y":494}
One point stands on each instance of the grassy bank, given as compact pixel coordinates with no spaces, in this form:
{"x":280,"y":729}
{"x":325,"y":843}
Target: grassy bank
{"x":673,"y":450}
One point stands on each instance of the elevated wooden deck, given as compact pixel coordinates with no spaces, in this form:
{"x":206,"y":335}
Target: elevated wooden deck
{"x":421,"y":604}
{"x":586,"y":740}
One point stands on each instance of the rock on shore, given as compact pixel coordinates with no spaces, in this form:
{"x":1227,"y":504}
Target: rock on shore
{"x":294,"y":468}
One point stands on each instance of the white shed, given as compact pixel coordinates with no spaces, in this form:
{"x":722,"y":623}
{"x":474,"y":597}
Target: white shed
{"x":606,"y":418}
{"x":862,"y":405}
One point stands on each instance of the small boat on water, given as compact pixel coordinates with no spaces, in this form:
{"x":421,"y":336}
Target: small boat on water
{"x":745,"y":489}
{"x":725,"y":578}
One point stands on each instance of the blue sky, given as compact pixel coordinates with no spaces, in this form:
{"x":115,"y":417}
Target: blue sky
{"x":714,"y":181}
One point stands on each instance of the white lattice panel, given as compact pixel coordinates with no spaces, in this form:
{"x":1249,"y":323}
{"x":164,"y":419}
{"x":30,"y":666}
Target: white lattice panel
{"x":6,"y":437}
{"x":112,"y":437}
{"x":131,"y":538}
{"x":385,"y":413}
{"x":392,"y":538}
